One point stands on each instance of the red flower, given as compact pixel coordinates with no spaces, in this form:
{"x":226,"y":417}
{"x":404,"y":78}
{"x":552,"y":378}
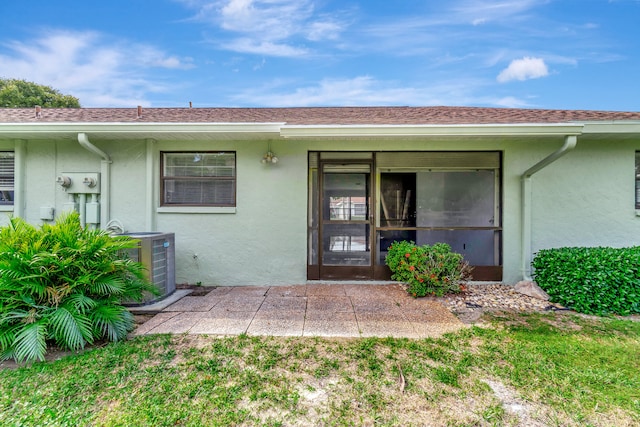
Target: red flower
{"x":412,"y":268}
{"x":421,"y":280}
{"x":407,"y":255}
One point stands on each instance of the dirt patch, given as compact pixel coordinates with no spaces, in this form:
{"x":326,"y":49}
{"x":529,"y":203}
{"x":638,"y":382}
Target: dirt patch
{"x":196,"y":290}
{"x":53,"y":354}
{"x":139,"y":319}
{"x":513,"y":404}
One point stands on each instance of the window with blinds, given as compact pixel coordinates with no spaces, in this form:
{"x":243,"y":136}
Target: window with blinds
{"x":637,"y":179}
{"x":7,"y":177}
{"x":198,"y":178}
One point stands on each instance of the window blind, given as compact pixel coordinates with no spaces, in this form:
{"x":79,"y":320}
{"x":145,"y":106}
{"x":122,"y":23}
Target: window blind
{"x":199,"y":179}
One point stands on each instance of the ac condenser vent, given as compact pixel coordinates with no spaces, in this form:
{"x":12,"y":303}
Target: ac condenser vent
{"x":156,"y":251}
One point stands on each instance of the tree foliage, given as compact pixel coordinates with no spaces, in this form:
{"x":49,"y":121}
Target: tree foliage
{"x":16,"y":93}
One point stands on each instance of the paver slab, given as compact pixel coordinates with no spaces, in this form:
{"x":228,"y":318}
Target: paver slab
{"x":327,"y":324}
{"x":190,"y":303}
{"x":284,"y":303}
{"x":178,"y":324}
{"x":329,"y":303}
{"x":236,"y":302}
{"x":322,"y":289}
{"x":285,"y":323}
{"x":222,"y":322}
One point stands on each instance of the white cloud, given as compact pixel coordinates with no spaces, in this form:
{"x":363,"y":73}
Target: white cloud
{"x":323,"y":30}
{"x":524,"y":69}
{"x":267,"y":27}
{"x":359,"y":91}
{"x":270,"y":19}
{"x":511,"y":102}
{"x":247,"y":45}
{"x":85,"y":65}
{"x":482,"y":11}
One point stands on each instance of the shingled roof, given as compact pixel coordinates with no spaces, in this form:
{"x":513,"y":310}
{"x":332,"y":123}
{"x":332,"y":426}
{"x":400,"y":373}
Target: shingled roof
{"x":314,"y":116}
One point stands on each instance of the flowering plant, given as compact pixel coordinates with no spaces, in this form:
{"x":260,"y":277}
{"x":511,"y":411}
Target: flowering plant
{"x":427,"y":270}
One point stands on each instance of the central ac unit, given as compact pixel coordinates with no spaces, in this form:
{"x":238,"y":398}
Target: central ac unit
{"x":156,"y":251}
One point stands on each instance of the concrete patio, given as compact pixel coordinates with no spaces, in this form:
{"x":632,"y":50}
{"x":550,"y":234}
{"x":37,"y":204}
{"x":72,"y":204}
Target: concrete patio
{"x":326,"y":310}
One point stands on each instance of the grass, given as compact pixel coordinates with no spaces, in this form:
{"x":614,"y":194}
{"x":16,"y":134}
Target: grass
{"x":539,"y":369}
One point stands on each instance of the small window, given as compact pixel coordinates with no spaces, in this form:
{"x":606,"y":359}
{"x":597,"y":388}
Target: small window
{"x":637,"y":179}
{"x":7,"y":177}
{"x":198,"y":179}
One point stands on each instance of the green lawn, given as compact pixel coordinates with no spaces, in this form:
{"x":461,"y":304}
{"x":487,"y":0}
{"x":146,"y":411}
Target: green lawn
{"x":542,"y":369}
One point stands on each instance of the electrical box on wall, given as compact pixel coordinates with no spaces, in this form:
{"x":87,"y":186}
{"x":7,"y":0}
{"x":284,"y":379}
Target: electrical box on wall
{"x":79,"y":182}
{"x":47,"y":213}
{"x":92,"y":213}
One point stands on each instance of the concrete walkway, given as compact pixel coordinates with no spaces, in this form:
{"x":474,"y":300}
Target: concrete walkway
{"x":326,"y":310}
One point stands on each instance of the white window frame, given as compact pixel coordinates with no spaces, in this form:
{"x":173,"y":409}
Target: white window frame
{"x":199,"y":171}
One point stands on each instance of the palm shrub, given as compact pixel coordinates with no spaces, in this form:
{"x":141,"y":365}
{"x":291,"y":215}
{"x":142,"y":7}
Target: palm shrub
{"x":427,"y":270}
{"x":64,"y":284}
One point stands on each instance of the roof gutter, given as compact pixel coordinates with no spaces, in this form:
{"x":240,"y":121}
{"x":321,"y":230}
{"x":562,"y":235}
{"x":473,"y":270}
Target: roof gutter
{"x":147,"y":128}
{"x":105,"y":179}
{"x":470,"y":130}
{"x":570,"y":142}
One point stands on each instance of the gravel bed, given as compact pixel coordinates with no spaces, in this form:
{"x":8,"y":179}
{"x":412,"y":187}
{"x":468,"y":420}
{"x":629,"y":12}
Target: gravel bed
{"x":477,"y":298}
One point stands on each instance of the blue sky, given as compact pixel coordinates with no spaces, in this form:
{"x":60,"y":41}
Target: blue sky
{"x":567,"y":54}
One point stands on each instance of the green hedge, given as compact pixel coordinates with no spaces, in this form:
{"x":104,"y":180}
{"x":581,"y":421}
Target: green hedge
{"x":591,"y":280}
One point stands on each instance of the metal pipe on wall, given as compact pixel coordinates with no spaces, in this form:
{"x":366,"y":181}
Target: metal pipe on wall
{"x":105,"y":180}
{"x":570,"y":142}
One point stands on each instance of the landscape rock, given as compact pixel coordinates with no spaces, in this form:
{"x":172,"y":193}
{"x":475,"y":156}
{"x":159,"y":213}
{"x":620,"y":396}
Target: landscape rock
{"x":477,"y":298}
{"x":531,"y":289}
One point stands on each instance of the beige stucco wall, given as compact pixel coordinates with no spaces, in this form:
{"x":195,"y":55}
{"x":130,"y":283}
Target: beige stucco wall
{"x":585,"y":198}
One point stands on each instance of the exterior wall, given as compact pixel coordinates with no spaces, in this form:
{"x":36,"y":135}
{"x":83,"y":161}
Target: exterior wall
{"x":585,"y":198}
{"x":264,"y":241}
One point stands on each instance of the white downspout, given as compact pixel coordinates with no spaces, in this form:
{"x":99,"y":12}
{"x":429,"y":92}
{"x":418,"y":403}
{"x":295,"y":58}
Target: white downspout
{"x":570,"y":142}
{"x":151,"y":192}
{"x":105,"y":179}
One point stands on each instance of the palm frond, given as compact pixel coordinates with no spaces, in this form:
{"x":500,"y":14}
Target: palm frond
{"x":11,"y":317}
{"x":71,"y":331}
{"x":81,"y":302}
{"x":30,"y":342}
{"x":112,"y":322}
{"x":108,"y":286}
{"x":7,"y":338}
{"x":7,"y":354}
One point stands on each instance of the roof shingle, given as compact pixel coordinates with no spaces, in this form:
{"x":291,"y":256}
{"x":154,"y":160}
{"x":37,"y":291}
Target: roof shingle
{"x":314,"y":115}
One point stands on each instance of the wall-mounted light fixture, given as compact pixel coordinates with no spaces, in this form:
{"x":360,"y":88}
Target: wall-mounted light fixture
{"x":269,"y":157}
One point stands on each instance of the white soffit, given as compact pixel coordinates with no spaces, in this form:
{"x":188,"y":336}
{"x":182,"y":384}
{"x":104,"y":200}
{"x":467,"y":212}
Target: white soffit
{"x":631,"y":127}
{"x":534,"y":129}
{"x":136,"y":130}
